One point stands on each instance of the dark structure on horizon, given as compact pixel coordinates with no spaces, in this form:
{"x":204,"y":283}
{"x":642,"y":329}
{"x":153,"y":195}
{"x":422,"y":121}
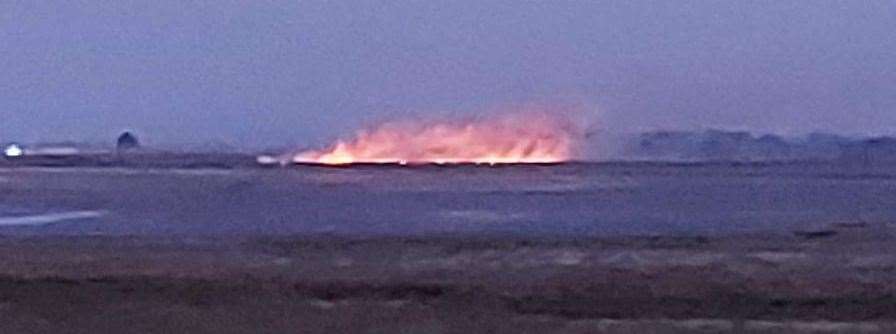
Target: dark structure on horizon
{"x":127,"y":141}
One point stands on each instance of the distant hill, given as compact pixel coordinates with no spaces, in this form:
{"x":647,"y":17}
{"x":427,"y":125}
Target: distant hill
{"x":745,"y":146}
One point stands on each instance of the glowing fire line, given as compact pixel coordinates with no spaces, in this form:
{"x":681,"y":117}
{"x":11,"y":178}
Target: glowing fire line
{"x":509,"y":139}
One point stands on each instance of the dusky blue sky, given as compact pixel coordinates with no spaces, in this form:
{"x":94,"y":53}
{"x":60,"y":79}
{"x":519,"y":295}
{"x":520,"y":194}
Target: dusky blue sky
{"x":261,"y":73}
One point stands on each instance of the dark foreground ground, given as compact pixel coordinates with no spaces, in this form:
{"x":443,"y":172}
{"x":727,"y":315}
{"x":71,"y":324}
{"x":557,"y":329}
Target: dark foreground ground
{"x":837,"y":280}
{"x":607,"y":248}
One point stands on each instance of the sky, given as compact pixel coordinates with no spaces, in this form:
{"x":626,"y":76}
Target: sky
{"x":278,"y":73}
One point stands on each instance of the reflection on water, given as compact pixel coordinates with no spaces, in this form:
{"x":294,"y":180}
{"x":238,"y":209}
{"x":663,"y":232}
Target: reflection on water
{"x":48,"y":218}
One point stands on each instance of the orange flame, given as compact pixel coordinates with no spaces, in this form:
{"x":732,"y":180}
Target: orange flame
{"x":518,"y":138}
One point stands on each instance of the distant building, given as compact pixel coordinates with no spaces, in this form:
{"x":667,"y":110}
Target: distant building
{"x":127,"y":142}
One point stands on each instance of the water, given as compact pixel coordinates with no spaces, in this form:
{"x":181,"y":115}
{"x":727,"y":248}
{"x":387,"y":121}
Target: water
{"x":572,"y":200}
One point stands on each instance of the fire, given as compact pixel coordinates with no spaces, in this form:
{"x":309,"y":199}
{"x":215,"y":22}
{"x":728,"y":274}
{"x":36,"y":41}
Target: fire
{"x":518,"y":138}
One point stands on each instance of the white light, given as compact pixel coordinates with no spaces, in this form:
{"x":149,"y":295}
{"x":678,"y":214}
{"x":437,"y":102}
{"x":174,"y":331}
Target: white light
{"x":267,"y":160}
{"x":13,"y":150}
